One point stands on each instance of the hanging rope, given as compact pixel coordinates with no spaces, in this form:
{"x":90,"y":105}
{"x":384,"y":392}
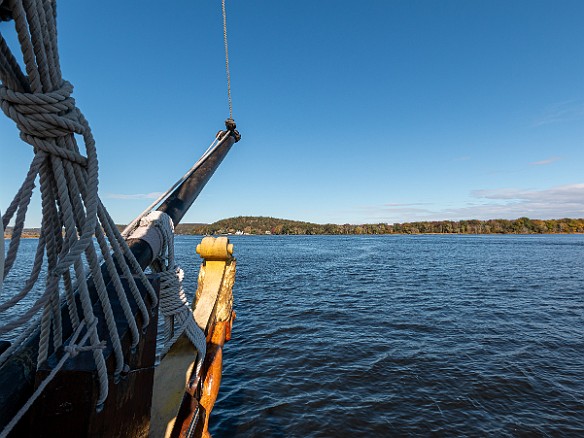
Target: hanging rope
{"x":227,"y":59}
{"x":158,"y":230}
{"x":71,"y":350}
{"x":41,"y":105}
{"x":76,"y":232}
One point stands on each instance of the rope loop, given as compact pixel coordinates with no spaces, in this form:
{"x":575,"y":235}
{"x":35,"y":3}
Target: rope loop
{"x":75,"y":349}
{"x":44,"y":116}
{"x":174,"y":305}
{"x":175,"y":300}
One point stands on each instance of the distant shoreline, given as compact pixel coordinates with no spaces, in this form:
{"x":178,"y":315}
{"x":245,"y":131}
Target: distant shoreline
{"x":256,"y":225}
{"x":28,"y":236}
{"x":261,"y":225}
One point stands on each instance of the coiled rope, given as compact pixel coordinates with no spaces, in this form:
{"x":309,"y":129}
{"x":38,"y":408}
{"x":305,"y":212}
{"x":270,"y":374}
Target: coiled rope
{"x":73,"y":217}
{"x":41,"y":105}
{"x":174,"y":306}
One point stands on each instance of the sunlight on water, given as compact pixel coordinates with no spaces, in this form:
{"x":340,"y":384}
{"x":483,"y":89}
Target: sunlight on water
{"x":399,"y":335}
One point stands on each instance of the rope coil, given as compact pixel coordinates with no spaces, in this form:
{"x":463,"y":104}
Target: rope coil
{"x":39,"y":102}
{"x":76,"y":230}
{"x":174,"y":305}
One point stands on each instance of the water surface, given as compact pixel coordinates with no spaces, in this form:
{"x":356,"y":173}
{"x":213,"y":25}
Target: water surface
{"x":404,"y":335}
{"x":399,"y":335}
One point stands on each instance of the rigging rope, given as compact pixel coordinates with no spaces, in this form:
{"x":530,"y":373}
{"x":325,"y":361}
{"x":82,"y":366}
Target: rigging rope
{"x":76,"y":230}
{"x":158,"y":230}
{"x":41,"y":105}
{"x":70,"y":350}
{"x":227,"y":59}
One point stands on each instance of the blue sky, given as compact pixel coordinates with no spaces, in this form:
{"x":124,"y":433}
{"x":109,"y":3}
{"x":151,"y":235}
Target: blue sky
{"x":350,"y":111}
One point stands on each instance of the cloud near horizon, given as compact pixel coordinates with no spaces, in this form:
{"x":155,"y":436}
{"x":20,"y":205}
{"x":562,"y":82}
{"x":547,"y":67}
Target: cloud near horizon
{"x":153,"y":195}
{"x":510,"y":203}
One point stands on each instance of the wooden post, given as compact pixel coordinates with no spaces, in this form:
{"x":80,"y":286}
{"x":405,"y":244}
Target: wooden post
{"x":214,"y":368}
{"x":213,"y":311}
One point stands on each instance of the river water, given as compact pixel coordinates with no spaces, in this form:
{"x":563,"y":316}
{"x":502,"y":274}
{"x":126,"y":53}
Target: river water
{"x":405,"y":335}
{"x":402,"y":336}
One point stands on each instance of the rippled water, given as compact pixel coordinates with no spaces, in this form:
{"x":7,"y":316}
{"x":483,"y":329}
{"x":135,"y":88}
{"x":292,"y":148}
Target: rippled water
{"x":402,"y":335}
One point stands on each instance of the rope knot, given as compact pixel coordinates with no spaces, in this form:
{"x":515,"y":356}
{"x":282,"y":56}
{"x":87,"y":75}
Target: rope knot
{"x":75,"y":349}
{"x":45,"y":116}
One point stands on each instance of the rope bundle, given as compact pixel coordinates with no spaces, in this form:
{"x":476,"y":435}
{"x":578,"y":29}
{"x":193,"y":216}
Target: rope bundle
{"x":174,"y":306}
{"x":41,"y":105}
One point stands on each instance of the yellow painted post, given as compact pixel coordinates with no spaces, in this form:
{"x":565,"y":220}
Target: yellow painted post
{"x":213,"y":312}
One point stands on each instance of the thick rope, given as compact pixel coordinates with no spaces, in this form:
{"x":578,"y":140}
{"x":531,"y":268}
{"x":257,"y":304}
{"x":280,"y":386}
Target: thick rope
{"x":174,"y":305}
{"x":40,"y":104}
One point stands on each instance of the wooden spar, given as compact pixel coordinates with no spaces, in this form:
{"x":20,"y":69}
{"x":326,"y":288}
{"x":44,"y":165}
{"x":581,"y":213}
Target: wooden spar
{"x":178,"y":203}
{"x":181,"y":199}
{"x":17,"y":375}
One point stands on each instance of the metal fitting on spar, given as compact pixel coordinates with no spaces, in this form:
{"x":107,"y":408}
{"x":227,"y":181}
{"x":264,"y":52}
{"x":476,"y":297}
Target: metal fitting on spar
{"x":231,"y":127}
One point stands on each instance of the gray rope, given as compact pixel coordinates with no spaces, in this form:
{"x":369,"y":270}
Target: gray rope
{"x":174,"y":306}
{"x":22,"y":338}
{"x":227,"y":59}
{"x":40,"y":104}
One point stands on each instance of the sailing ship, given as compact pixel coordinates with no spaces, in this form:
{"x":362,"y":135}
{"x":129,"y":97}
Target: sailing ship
{"x":83,"y":359}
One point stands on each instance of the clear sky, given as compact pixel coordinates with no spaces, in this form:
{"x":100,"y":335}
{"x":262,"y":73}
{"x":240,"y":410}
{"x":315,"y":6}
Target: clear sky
{"x":351,"y":111}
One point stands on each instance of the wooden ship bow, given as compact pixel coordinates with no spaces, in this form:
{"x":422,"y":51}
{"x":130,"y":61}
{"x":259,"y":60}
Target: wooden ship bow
{"x":214,"y":315}
{"x":84,"y":357}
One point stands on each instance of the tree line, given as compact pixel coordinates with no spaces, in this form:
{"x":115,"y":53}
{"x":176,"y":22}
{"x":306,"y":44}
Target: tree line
{"x":270,"y":225}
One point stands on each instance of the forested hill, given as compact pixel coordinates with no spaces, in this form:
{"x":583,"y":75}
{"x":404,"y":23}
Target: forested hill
{"x":270,"y":225}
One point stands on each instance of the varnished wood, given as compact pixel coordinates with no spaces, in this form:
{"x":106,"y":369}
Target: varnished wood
{"x":214,"y":367}
{"x":196,"y":409}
